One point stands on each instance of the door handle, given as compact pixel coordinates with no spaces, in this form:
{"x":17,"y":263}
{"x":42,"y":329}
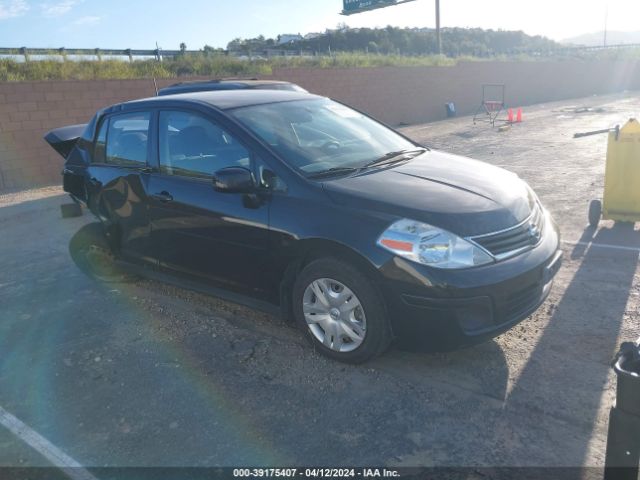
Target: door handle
{"x":163,"y":197}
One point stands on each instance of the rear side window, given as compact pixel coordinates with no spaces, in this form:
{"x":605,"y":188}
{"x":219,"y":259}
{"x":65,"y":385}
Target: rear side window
{"x":193,"y":146}
{"x":128,"y":140}
{"x":99,"y":153}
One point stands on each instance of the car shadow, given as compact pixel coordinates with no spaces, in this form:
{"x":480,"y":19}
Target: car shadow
{"x":569,"y":370}
{"x":458,"y":370}
{"x":253,"y":347}
{"x":559,"y":389}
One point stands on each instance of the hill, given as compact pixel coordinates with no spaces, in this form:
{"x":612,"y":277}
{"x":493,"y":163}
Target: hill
{"x":597,"y":38}
{"x":406,"y":41}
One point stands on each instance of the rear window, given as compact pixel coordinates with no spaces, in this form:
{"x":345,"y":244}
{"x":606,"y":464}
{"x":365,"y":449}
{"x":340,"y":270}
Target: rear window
{"x":99,"y":152}
{"x":127,"y":140}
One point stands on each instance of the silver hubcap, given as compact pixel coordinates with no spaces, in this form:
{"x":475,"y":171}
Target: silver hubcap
{"x":334,"y":315}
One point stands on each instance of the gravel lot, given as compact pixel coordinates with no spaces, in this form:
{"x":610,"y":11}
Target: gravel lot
{"x":147,"y":374}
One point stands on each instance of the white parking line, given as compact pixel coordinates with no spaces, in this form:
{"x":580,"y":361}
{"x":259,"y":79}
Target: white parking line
{"x":44,"y":447}
{"x":603,"y":245}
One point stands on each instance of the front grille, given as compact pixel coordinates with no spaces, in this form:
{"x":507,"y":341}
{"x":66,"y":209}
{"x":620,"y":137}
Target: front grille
{"x":508,"y":242}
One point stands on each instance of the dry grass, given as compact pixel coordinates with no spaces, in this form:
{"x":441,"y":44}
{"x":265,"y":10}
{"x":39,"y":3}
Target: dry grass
{"x":61,"y":68}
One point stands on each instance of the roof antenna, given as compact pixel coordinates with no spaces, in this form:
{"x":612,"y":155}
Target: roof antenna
{"x":155,"y":85}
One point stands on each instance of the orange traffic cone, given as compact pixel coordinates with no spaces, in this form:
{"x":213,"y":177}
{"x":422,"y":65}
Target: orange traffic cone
{"x":510,"y":115}
{"x":519,"y":115}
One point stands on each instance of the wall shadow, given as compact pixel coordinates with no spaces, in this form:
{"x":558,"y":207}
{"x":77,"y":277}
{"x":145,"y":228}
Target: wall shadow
{"x":566,"y":374}
{"x":459,"y":369}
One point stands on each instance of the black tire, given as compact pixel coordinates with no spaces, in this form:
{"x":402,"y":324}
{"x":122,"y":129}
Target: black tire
{"x":378,"y":333}
{"x":92,"y":254}
{"x":595,"y":212}
{"x":70,"y":210}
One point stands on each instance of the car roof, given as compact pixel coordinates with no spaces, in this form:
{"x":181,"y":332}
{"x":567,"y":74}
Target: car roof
{"x":224,"y":99}
{"x":228,"y":84}
{"x":250,"y":82}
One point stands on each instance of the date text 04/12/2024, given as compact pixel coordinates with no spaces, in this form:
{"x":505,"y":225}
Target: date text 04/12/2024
{"x":315,"y":473}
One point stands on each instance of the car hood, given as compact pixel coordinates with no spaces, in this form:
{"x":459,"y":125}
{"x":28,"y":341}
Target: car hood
{"x":464,"y":196}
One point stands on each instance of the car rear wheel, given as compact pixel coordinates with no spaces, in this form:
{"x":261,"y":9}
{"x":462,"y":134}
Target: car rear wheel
{"x":340,"y":311}
{"x":92,"y":254}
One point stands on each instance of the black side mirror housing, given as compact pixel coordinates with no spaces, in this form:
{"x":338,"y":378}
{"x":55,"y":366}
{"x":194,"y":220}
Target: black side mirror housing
{"x":234,"y":180}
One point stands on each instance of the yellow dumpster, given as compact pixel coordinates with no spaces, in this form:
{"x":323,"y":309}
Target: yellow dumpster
{"x":622,"y":177}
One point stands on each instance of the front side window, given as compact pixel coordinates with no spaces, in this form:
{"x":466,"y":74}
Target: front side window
{"x":319,"y":135}
{"x":128,"y":140}
{"x":193,"y":146}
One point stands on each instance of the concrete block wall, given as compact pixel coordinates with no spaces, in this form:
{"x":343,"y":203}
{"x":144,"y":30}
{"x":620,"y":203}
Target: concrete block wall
{"x":419,"y":94}
{"x":29,"y":109}
{"x":395,"y":95}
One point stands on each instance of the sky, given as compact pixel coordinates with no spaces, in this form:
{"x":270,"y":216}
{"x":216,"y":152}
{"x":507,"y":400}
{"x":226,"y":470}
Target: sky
{"x":141,"y":23}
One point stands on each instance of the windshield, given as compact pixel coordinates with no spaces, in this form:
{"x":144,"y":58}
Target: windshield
{"x":320,"y":135}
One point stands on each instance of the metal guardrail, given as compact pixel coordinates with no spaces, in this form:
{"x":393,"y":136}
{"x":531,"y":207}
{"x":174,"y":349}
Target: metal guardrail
{"x":128,"y":52}
{"x":158,"y":54}
{"x":584,"y":48}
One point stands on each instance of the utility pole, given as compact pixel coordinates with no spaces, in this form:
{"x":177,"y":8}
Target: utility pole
{"x":438,"y":37}
{"x":606,"y":22}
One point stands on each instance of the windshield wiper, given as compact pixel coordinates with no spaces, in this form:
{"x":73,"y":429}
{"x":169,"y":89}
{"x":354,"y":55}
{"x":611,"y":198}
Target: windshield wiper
{"x":386,"y":159}
{"x":392,"y":157}
{"x":333,"y":171}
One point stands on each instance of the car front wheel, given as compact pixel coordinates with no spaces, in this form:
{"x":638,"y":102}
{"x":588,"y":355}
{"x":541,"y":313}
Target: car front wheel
{"x":340,"y":311}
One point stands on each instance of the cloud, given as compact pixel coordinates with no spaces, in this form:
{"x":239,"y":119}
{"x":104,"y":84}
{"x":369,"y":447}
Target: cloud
{"x":88,"y":20}
{"x":58,"y":8}
{"x":13,"y":8}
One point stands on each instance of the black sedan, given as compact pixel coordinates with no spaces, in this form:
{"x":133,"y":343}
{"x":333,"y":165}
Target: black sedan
{"x":354,"y":231}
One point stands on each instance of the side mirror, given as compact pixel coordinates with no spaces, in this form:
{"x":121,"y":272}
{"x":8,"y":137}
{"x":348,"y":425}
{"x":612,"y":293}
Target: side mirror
{"x":233,"y":180}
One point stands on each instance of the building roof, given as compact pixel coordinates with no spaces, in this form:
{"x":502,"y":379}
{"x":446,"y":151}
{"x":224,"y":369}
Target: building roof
{"x":288,"y":38}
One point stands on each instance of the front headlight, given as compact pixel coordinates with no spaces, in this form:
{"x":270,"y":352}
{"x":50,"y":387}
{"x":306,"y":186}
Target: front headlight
{"x":432,"y":246}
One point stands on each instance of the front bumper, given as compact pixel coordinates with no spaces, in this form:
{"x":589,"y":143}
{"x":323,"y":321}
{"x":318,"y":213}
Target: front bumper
{"x":445,"y":309}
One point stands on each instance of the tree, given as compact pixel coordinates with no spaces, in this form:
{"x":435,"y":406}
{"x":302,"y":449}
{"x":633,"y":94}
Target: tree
{"x":209,"y":51}
{"x":414,"y":41}
{"x":183,"y":48}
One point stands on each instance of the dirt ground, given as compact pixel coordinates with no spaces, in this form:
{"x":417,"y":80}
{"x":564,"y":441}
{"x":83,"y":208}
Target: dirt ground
{"x":149,"y":374}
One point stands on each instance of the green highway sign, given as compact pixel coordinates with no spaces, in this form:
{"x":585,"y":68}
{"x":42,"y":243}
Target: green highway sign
{"x":356,"y":6}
